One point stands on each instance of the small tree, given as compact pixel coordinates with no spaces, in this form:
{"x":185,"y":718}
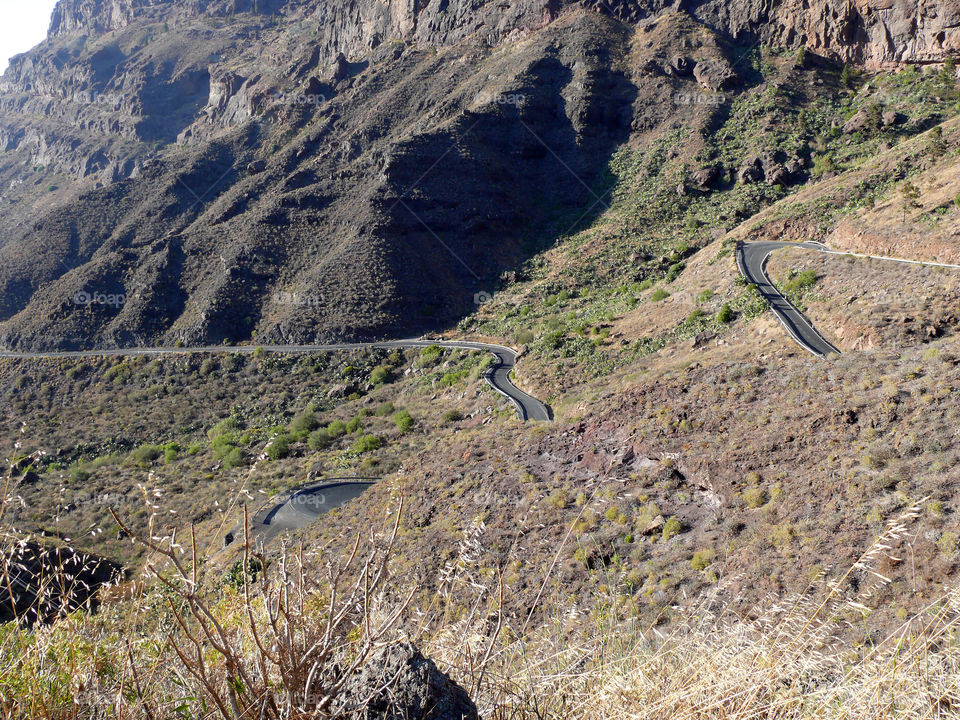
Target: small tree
{"x":937,"y":146}
{"x":801,"y":58}
{"x":847,"y":76}
{"x":910,"y":194}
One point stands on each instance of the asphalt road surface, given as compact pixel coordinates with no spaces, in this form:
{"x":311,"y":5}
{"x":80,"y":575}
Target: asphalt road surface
{"x":300,"y":508}
{"x":752,"y":261}
{"x":498,"y":376}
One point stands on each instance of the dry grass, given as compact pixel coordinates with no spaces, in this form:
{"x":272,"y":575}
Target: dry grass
{"x":282,"y":644}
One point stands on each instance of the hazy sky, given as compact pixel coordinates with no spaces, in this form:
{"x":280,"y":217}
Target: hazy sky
{"x":23,"y":24}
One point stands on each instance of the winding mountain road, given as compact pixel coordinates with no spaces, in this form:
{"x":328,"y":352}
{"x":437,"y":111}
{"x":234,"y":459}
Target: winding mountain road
{"x":497,"y":376}
{"x":752,"y":260}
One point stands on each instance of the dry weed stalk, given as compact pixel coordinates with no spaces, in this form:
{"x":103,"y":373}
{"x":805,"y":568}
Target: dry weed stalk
{"x":303,"y":636}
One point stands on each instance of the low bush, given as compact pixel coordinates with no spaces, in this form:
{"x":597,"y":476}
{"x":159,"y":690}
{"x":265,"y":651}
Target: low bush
{"x":403,"y":421}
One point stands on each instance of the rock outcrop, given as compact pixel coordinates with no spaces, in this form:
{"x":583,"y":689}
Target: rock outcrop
{"x":399,"y":683}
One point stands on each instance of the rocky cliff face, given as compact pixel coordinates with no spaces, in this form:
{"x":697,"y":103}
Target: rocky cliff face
{"x":381,"y":162}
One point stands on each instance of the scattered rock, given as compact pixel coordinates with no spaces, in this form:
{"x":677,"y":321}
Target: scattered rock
{"x":705,"y":177}
{"x":777,"y":175}
{"x":399,"y":683}
{"x":702,"y":339}
{"x":340,"y":391}
{"x":751,"y":171}
{"x":715,"y":74}
{"x":681,"y":66}
{"x":654,"y":525}
{"x":858,"y":123}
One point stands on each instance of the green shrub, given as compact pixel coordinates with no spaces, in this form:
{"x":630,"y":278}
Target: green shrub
{"x":279,"y":447}
{"x":234,"y":458}
{"x":553,"y":340}
{"x":385,"y":409}
{"x":319,"y":439}
{"x":559,"y":499}
{"x":451,"y":416}
{"x":403,"y":421}
{"x":726,"y":313}
{"x":304,"y":422}
{"x":224,"y":427}
{"x":671,"y":528}
{"x":755,"y":497}
{"x":659,"y":294}
{"x":673,"y":272}
{"x":354,"y":426}
{"x":223,"y":444}
{"x":337,"y":429}
{"x":703,"y":559}
{"x":146,"y":454}
{"x":800,"y":282}
{"x":948,"y":543}
{"x":79,"y":474}
{"x":380,"y":375}
{"x":235,"y":575}
{"x":170,"y":454}
{"x":705,"y":296}
{"x":453,"y":377}
{"x":365,"y":444}
{"x":430,"y":355}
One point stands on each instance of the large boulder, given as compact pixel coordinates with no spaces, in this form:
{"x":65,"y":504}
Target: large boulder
{"x":399,"y":683}
{"x":715,"y":74}
{"x":751,"y":171}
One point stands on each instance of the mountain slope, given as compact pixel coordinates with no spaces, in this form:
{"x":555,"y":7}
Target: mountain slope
{"x":299,"y":171}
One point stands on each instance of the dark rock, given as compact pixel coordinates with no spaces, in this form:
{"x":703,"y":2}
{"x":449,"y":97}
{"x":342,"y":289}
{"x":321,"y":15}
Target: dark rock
{"x":399,"y":683}
{"x":705,"y":177}
{"x":859,"y":122}
{"x":751,"y":171}
{"x":681,"y":66}
{"x":257,"y":166}
{"x":340,"y":391}
{"x":715,"y":74}
{"x":777,"y":175}
{"x":341,"y":69}
{"x":702,"y":339}
{"x":49,"y":582}
{"x":890,"y":118}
